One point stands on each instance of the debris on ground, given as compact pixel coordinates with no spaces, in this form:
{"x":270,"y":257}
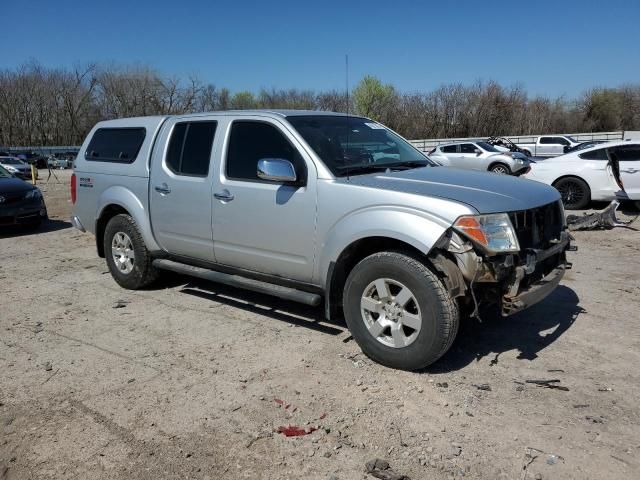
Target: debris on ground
{"x":604,"y":220}
{"x":483,"y":386}
{"x":548,"y":384}
{"x":120,"y":304}
{"x":294,"y":431}
{"x":381,"y":469}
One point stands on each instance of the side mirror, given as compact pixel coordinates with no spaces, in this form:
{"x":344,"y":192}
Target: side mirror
{"x":276,"y":170}
{"x":566,"y":148}
{"x":477,"y":151}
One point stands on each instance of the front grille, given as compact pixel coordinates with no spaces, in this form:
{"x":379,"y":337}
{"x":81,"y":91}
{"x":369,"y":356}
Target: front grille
{"x":535,"y":228}
{"x":11,"y":198}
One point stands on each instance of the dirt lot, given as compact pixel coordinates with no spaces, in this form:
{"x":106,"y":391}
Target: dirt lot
{"x":192,"y":380}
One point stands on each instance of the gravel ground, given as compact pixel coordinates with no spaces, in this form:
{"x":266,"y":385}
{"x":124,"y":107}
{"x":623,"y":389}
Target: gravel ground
{"x":192,"y":380}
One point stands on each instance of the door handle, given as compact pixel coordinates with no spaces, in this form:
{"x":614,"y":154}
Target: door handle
{"x":225,"y":195}
{"x":163,"y":189}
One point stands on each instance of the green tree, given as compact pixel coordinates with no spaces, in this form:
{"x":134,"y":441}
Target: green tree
{"x":243,"y":101}
{"x":375,"y":100}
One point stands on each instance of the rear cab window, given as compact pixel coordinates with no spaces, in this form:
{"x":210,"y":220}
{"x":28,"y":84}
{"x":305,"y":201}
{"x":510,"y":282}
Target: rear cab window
{"x":448,"y":149}
{"x":189,"y":151}
{"x":119,"y":145}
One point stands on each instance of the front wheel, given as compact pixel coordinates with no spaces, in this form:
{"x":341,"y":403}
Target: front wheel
{"x":501,"y":169}
{"x":127,"y":256}
{"x":398,"y":311}
{"x":574,"y":191}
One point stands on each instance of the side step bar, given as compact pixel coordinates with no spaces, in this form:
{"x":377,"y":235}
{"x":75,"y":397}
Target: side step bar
{"x":287,"y":293}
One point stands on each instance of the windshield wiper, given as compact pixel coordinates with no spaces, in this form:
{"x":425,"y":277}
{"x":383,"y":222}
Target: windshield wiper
{"x":361,"y":168}
{"x":368,"y":167}
{"x":406,"y":165}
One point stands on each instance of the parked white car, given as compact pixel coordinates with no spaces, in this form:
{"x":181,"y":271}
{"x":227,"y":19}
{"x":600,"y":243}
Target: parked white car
{"x":480,"y":156}
{"x":548,"y":145}
{"x":586,"y":175}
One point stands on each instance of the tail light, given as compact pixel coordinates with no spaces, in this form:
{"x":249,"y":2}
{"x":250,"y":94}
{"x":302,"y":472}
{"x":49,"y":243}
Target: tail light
{"x":74,"y":193}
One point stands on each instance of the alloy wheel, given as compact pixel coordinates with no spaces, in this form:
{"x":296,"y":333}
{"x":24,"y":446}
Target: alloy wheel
{"x":391,"y":313}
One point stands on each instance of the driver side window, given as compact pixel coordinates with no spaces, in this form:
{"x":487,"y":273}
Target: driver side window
{"x":251,"y":141}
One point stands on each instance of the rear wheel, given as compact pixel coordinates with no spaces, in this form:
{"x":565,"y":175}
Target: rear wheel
{"x":398,"y":311}
{"x":574,"y":191}
{"x":127,"y":256}
{"x":500,"y":168}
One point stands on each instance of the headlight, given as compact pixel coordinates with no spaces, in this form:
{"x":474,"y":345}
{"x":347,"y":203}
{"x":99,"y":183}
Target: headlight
{"x":519,"y":161}
{"x":32,"y":194}
{"x":11,"y":169}
{"x":494,"y":232}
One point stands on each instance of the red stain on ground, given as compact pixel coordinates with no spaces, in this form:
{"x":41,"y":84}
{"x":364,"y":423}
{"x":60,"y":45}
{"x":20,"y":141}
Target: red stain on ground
{"x":293,"y":431}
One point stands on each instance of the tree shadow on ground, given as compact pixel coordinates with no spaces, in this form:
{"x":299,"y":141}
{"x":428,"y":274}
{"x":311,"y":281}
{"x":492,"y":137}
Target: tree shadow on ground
{"x":529,"y":332}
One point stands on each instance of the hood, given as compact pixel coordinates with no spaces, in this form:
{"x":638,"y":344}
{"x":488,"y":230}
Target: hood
{"x":485,"y":192}
{"x":21,"y":167}
{"x":13,"y":185}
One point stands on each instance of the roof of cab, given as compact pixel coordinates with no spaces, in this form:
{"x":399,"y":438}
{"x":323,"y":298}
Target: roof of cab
{"x":278,"y":112}
{"x":158,"y":119}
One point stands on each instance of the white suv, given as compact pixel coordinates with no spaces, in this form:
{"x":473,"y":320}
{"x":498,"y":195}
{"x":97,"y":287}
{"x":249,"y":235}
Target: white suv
{"x":480,"y":156}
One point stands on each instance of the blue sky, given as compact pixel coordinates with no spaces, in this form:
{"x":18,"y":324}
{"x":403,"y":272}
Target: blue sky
{"x":552,"y":48}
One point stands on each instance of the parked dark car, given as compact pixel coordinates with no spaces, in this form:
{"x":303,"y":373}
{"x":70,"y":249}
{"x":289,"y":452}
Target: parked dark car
{"x":20,"y":202}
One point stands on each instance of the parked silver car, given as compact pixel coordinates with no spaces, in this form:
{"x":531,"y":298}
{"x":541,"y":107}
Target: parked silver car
{"x":16,"y":167}
{"x":312,"y":205}
{"x":480,"y":156}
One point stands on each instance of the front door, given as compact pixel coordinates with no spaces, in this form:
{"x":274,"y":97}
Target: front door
{"x":181,"y":187}
{"x":628,"y":157}
{"x":469,"y":157}
{"x":261,"y":225}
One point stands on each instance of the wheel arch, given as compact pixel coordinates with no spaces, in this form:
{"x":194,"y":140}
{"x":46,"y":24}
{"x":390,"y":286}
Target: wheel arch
{"x":120,"y":200}
{"x":499,"y":162}
{"x":578,"y":177}
{"x":350,"y":256}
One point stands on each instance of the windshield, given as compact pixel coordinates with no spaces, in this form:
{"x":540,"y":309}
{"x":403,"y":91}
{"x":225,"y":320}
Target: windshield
{"x":11,"y":161}
{"x":572,"y":139}
{"x":349,"y":145}
{"x":4,"y":173}
{"x":487,"y":146}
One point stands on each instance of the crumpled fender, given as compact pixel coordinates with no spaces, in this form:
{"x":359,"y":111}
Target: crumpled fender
{"x":414,"y":227}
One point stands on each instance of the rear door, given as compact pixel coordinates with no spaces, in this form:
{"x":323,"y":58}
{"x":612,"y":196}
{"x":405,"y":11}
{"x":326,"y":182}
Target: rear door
{"x":628,"y":157}
{"x":181,"y":187}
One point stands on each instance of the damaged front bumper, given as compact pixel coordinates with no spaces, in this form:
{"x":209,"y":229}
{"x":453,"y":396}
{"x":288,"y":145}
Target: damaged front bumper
{"x":533,"y":293}
{"x":513,"y":281}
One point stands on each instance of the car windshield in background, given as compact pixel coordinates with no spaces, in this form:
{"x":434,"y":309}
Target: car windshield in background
{"x":488,"y":147}
{"x":11,"y":161}
{"x":351,"y":145}
{"x":4,"y":173}
{"x":572,"y":139}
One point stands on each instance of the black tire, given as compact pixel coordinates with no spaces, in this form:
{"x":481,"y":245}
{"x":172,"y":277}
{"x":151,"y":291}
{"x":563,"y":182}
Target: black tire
{"x":143,"y":272}
{"x":575,"y":193}
{"x":439,"y":312}
{"x":500,"y":168}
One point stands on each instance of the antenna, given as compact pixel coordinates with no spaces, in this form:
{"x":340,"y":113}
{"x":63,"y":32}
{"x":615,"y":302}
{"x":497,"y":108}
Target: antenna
{"x":346,"y":65}
{"x":346,"y":68}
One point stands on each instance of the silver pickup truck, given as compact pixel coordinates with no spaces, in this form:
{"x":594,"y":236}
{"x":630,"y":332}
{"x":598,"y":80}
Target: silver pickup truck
{"x":313,"y":206}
